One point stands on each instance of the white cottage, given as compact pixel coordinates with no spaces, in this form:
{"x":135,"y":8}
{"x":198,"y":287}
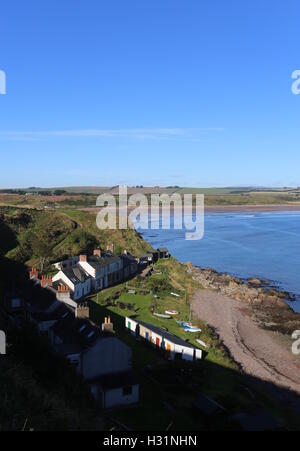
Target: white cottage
{"x":174,"y":346}
{"x":78,"y":281}
{"x":104,"y":270}
{"x":103,"y":360}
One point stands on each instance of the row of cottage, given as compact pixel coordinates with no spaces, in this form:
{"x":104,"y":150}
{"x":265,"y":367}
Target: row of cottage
{"x":56,"y":306}
{"x":173,"y":346}
{"x":82,"y":275}
{"x":99,"y":356}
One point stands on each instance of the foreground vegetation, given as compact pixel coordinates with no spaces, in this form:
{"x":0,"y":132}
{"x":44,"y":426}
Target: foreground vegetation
{"x":41,"y":391}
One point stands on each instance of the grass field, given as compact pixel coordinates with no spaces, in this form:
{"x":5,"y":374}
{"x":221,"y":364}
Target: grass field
{"x":86,"y":197}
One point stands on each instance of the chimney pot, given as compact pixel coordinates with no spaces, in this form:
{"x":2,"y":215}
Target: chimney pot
{"x":110,"y":248}
{"x":82,"y":312}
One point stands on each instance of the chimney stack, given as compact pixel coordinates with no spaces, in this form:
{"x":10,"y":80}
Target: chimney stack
{"x":110,"y":248}
{"x":63,"y":293}
{"x":63,"y":289}
{"x":82,"y":258}
{"x":108,"y":326}
{"x":46,"y":281}
{"x":97,"y":253}
{"x":33,"y":274}
{"x":82,"y":311}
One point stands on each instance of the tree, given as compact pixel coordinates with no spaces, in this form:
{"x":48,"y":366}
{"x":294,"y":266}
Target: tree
{"x":41,"y":247}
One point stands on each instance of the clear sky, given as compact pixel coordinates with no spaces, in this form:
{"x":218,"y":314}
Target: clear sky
{"x":163,"y":92}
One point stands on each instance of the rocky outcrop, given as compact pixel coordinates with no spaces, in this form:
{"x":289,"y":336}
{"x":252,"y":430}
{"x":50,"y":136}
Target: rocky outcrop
{"x":268,"y":304}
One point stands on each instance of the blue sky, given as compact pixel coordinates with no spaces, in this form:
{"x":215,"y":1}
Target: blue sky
{"x":162,"y":92}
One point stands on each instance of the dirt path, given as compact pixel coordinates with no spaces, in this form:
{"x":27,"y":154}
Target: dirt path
{"x":256,"y":350}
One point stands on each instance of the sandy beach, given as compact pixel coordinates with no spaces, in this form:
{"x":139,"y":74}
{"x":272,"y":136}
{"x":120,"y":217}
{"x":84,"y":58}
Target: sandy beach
{"x":259,"y":353}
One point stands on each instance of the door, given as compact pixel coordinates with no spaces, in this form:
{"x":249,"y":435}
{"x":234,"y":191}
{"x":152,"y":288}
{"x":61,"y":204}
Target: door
{"x":157,"y":342}
{"x":168,"y":349}
{"x":147,"y":336}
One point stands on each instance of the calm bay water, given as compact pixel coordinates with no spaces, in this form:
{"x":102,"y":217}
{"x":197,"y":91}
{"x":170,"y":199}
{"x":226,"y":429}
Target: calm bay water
{"x":265,"y":245}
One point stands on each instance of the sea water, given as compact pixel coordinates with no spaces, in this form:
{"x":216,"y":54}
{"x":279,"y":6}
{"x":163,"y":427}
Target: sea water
{"x":264,"y":245}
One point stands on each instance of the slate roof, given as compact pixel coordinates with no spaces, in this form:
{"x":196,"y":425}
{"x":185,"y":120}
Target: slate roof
{"x":68,"y":349}
{"x":163,"y":249}
{"x":166,"y":335}
{"x":128,"y":260}
{"x":50,"y":316}
{"x":100,"y":262}
{"x":78,"y":332}
{"x":76,"y":274}
{"x":40,"y":299}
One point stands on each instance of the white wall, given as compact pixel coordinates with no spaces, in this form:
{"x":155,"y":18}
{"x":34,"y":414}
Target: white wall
{"x":115,"y":398}
{"x":88,"y":268}
{"x":132,"y":323}
{"x":80,"y":289}
{"x":107,"y":355}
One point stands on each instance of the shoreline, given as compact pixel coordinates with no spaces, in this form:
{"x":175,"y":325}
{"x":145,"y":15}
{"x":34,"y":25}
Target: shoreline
{"x":252,"y":208}
{"x":255,"y":324}
{"x":263,"y":354}
{"x":258,"y":208}
{"x":269,"y":305}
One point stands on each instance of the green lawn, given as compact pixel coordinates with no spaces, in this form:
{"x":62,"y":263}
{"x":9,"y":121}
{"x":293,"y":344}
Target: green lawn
{"x":163,"y":404}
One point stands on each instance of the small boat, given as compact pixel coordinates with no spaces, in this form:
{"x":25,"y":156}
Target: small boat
{"x":201,"y":343}
{"x":192,"y":330}
{"x":161,"y":315}
{"x":175,"y":295}
{"x":189,"y":326}
{"x":182,"y":323}
{"x":172,"y":312}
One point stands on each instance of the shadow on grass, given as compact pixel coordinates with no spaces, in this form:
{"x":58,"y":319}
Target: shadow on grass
{"x":169,"y":389}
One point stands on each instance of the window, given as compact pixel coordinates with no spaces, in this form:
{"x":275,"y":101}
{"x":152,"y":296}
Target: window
{"x":16,"y":303}
{"x":127,"y":391}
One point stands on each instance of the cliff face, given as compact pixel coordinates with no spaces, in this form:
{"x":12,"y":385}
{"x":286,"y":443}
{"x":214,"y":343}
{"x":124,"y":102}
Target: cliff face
{"x":26,"y":235}
{"x":269,"y":305}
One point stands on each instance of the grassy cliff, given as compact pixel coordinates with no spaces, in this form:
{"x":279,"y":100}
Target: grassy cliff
{"x":30,"y":236}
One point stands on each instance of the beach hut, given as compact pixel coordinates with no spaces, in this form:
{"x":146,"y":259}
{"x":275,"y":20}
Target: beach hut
{"x":174,"y":346}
